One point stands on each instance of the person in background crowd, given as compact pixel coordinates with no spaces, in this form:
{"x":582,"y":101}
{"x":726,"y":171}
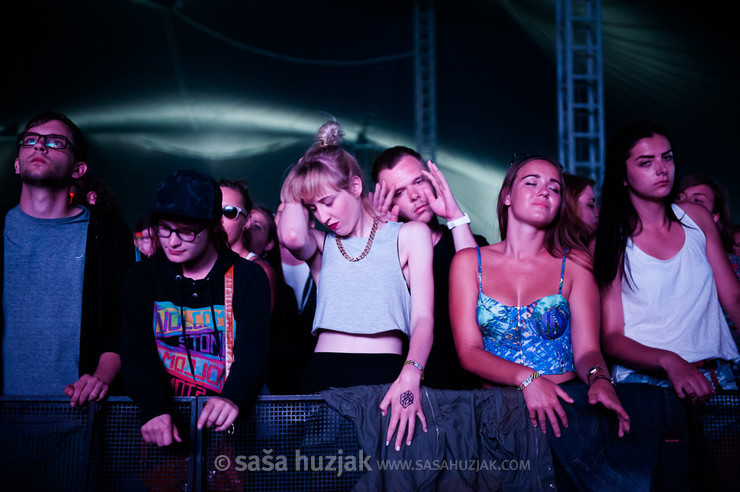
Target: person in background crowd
{"x":406,"y":190}
{"x":236,"y":208}
{"x":145,"y":240}
{"x":210,"y":329}
{"x":583,"y":213}
{"x":702,"y":189}
{"x":63,"y":267}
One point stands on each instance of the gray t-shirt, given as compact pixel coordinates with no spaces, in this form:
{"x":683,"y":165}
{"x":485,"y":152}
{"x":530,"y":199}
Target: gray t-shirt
{"x":44,"y":265}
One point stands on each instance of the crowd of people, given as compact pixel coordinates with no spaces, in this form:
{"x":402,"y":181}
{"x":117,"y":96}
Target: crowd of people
{"x":615,"y":317}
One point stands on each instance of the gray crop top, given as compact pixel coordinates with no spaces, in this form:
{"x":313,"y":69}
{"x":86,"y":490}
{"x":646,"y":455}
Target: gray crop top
{"x":364,"y":297}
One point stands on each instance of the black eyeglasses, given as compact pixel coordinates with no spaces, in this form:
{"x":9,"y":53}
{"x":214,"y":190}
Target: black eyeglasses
{"x":56,"y":142}
{"x":231,"y":212}
{"x":188,"y":235}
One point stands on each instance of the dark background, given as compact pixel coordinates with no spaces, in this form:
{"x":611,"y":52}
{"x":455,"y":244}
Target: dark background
{"x":237,"y":88}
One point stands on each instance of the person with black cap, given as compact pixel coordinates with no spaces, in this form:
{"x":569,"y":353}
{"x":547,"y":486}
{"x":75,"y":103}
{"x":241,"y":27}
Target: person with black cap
{"x":195,"y":315}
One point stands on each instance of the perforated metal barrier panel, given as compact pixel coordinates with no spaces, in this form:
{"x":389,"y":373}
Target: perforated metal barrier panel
{"x":299,"y":444}
{"x":284,"y":443}
{"x":721,"y":422}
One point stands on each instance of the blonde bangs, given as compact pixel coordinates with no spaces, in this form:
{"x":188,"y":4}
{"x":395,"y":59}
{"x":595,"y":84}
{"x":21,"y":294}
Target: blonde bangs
{"x":310,"y":180}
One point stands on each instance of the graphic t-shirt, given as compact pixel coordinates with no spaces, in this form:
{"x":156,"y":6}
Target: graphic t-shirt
{"x":195,"y":361}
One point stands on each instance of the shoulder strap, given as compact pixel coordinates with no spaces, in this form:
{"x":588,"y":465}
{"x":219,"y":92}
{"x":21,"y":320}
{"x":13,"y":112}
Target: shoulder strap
{"x":229,"y":315}
{"x":562,"y":274}
{"x":480,"y":272}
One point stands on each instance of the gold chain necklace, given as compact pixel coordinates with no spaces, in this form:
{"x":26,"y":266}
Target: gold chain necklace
{"x":367,"y":246}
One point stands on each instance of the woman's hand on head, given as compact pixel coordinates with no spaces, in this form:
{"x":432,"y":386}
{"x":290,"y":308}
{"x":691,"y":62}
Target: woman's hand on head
{"x":404,"y":398}
{"x":602,"y":391}
{"x":542,"y":397}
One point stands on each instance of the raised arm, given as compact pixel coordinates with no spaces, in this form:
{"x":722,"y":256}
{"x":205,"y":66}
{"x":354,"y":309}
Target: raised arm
{"x":686,"y":379}
{"x":295,"y":234}
{"x":541,"y":395}
{"x":445,"y":205}
{"x":404,"y":395}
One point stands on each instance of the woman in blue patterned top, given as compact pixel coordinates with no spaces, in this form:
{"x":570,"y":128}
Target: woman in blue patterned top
{"x":526,"y":314}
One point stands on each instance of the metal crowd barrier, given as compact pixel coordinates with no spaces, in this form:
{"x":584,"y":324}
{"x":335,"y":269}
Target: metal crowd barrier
{"x":284,"y":443}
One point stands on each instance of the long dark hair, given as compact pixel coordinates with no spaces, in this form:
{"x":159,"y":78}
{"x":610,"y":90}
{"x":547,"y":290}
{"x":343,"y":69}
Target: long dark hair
{"x":721,"y":205}
{"x":558,"y":237}
{"x":618,"y":219}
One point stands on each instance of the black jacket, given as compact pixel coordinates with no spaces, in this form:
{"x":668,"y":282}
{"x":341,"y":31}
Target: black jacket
{"x":475,"y":440}
{"x":156,"y":279}
{"x":109,"y":253}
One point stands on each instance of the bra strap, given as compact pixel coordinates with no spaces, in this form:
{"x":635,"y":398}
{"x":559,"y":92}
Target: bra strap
{"x":480,"y":272}
{"x":562,"y":274}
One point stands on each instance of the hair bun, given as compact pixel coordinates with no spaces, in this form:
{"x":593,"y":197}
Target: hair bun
{"x":330,"y":133}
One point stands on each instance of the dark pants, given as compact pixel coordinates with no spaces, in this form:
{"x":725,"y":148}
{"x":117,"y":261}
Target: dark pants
{"x":338,"y":370}
{"x":657,"y":454}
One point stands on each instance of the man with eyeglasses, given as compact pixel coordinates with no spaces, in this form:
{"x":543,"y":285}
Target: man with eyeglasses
{"x":63,"y":267}
{"x":196,"y":316}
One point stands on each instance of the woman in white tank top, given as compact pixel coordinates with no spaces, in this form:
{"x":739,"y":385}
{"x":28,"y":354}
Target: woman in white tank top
{"x":663,"y":273}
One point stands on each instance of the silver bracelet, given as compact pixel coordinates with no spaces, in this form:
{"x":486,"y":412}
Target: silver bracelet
{"x":416,"y":365}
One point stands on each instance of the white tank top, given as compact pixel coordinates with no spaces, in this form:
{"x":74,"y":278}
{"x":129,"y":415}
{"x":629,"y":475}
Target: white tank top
{"x":673,"y":304}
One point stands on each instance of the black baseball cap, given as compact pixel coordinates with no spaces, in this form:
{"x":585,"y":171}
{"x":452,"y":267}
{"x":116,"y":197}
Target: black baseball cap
{"x":190,"y":194}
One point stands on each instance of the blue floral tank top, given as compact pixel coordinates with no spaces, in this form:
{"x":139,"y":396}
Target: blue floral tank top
{"x":536,"y":335}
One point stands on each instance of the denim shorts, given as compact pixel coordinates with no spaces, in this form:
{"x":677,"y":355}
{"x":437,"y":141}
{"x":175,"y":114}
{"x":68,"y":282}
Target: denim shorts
{"x":724,"y":371}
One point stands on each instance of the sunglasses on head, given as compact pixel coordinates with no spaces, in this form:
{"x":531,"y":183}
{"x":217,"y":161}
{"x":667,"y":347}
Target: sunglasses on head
{"x":231,"y":212}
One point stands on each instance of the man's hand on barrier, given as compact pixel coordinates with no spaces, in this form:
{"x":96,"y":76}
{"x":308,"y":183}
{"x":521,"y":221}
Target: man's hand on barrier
{"x":218,"y":411}
{"x":86,"y":389}
{"x":160,"y":431}
{"x":404,"y":398}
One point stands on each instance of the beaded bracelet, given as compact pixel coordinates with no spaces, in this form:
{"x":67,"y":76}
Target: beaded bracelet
{"x":529,"y":380}
{"x":416,"y":365}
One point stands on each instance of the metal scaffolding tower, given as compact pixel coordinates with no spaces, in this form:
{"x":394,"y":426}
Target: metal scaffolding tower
{"x":425,"y":79}
{"x":580,"y":87}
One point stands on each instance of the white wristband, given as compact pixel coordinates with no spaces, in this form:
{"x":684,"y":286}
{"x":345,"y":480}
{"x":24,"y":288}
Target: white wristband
{"x":465,"y":219}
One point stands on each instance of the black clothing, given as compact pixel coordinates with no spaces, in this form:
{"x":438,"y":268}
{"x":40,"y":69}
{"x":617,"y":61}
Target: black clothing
{"x":443,"y":369}
{"x":156,"y":287}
